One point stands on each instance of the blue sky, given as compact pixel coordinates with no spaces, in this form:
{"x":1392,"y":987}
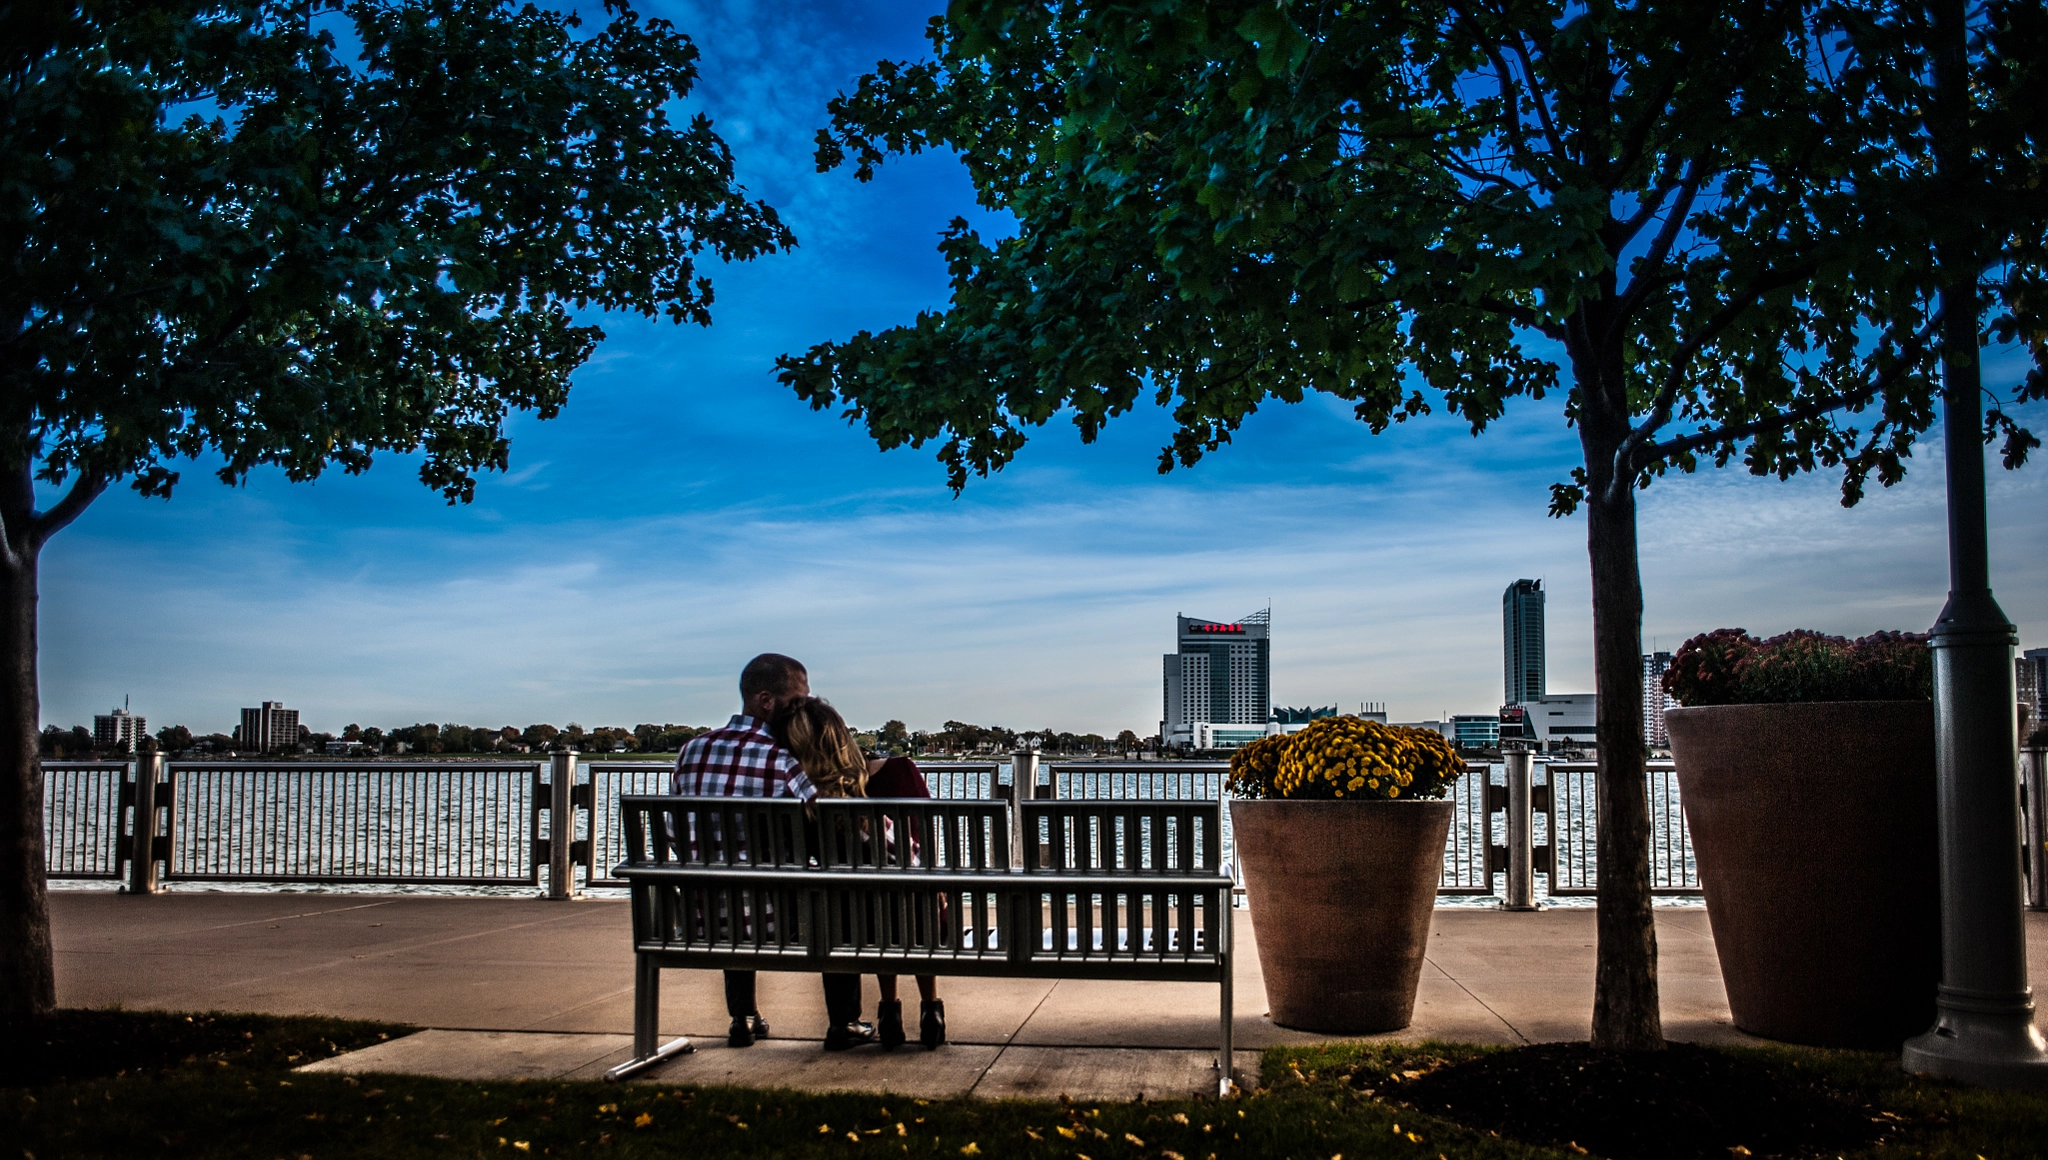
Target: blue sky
{"x":686,"y":512}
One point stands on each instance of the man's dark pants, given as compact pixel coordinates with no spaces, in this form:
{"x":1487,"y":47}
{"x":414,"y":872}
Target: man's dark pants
{"x":842,"y":997}
{"x":739,"y":994}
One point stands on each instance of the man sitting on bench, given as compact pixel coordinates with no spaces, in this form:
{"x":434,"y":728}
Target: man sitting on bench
{"x":742,"y":759}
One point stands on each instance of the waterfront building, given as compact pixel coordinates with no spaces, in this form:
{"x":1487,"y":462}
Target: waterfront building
{"x":1521,"y":617}
{"x":1444,"y":727}
{"x":1221,"y":675}
{"x":269,"y":728}
{"x":2031,"y":671}
{"x":1464,"y":730}
{"x":1475,"y":730}
{"x":1559,"y":721}
{"x":1655,"y":699}
{"x":118,"y":729}
{"x":1295,"y":720}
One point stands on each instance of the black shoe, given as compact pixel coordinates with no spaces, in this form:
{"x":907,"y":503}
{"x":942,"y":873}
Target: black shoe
{"x":889,"y":1024}
{"x":740,"y":1034}
{"x":931,"y":1022}
{"x":849,"y":1035}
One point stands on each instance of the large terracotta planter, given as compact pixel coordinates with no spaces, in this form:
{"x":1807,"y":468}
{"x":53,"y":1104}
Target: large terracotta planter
{"x":1341,"y":894}
{"x":1814,"y":830}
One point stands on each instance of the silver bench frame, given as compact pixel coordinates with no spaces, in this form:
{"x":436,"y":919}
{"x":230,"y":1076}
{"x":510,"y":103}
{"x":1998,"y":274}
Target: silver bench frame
{"x":1106,"y":890}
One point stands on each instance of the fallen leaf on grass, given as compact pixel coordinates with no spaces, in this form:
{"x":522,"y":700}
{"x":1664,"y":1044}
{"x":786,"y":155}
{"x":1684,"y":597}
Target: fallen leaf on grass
{"x":972,"y":1149}
{"x":643,"y":1119}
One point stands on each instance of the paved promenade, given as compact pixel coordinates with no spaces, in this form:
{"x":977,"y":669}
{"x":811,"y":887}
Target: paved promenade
{"x":517,"y":987}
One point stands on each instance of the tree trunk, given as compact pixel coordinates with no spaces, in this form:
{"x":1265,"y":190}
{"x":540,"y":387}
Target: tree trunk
{"x":1626,"y":1014}
{"x":28,"y":987}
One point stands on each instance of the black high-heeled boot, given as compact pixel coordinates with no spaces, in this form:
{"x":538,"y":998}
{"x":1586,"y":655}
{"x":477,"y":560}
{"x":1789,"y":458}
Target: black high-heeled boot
{"x":931,"y":1022}
{"x":889,"y":1023}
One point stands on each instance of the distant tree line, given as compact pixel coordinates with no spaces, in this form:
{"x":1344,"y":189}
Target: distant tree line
{"x":894,"y":737}
{"x":77,"y":742}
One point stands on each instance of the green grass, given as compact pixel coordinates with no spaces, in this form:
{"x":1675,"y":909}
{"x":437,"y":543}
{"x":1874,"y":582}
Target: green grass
{"x":222,"y":1086}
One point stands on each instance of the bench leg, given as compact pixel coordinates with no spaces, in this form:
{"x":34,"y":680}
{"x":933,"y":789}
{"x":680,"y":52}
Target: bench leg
{"x":1225,"y":1059}
{"x":646,"y":1013}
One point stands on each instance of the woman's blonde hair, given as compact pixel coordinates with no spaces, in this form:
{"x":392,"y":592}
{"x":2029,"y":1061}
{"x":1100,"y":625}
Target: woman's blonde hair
{"x":817,"y":736}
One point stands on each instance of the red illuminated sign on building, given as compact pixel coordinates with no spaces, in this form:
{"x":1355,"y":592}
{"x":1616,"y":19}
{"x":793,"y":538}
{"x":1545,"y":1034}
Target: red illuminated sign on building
{"x":1236,"y":628}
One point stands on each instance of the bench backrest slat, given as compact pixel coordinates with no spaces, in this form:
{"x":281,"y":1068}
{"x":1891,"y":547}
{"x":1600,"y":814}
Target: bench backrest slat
{"x":968,"y":836}
{"x":1123,"y":837}
{"x":715,"y":831}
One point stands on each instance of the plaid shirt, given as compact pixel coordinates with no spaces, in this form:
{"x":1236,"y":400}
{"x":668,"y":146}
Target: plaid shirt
{"x":741,"y":759}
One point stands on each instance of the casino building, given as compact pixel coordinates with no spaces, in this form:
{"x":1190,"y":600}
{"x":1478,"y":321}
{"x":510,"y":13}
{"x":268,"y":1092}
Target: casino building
{"x":1219,"y":684}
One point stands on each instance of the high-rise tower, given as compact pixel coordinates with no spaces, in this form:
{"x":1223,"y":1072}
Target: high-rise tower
{"x":1222,"y":675}
{"x":1521,"y":617}
{"x":1655,"y":699}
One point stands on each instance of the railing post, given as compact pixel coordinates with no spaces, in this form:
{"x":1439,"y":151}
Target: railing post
{"x":149,"y":768}
{"x":562,"y":825}
{"x":2034,"y":783}
{"x":1023,"y":786}
{"x":1521,"y":884}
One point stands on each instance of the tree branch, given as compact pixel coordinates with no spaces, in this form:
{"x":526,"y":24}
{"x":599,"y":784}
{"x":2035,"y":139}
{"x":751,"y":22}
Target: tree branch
{"x":85,"y":489}
{"x":1510,"y":92}
{"x":1681,"y":362}
{"x":1799,"y":412}
{"x":1542,"y":110}
{"x":1640,"y":286}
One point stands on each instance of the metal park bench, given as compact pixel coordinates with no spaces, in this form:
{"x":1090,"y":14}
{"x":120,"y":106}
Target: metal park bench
{"x":917,"y":886}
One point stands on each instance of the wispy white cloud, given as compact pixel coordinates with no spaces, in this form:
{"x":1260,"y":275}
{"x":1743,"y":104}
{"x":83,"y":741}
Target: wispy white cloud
{"x":1048,"y":612}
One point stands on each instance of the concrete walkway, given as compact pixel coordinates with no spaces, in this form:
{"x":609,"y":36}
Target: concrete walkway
{"x":524,"y":988}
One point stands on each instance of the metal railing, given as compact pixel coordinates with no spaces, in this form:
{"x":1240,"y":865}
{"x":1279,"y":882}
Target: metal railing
{"x":492,"y":823}
{"x":1573,"y":826}
{"x":2034,"y":815}
{"x":963,"y":780}
{"x":1468,"y":852}
{"x":84,"y":803}
{"x":469,"y":823}
{"x":1152,"y":781}
{"x":609,"y":781}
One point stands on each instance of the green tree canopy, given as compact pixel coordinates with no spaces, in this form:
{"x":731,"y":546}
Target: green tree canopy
{"x":1711,"y":226}
{"x":301,"y":232}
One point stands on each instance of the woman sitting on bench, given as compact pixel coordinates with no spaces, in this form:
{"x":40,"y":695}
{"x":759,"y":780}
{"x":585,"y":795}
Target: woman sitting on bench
{"x":817,"y":736}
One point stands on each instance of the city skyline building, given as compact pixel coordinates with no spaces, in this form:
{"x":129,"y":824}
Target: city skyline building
{"x":1220,"y":675}
{"x":1655,"y":699}
{"x":2031,"y":671}
{"x":269,"y":728}
{"x":1521,"y":616}
{"x":118,"y":729}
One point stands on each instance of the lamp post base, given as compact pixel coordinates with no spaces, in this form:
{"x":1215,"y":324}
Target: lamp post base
{"x":1983,"y":1040}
